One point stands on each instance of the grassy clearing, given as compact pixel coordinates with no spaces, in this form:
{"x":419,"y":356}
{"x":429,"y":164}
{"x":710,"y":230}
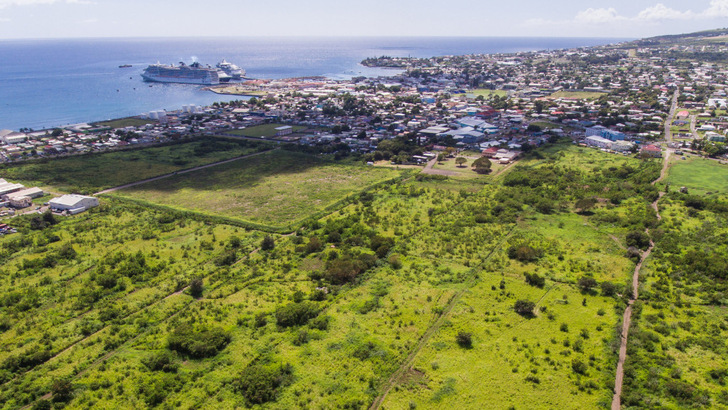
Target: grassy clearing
{"x":124,"y":122}
{"x":514,"y":361}
{"x":265,"y":130}
{"x":577,"y":95}
{"x":273,"y":189}
{"x":699,"y":175}
{"x":94,"y":172}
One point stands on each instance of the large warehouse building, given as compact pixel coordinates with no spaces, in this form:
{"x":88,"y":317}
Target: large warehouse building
{"x":73,"y":203}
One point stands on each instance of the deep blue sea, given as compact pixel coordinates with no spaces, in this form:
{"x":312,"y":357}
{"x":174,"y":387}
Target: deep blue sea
{"x":48,"y":83}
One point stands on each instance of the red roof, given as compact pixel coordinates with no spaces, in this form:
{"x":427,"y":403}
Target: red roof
{"x":651,"y":148}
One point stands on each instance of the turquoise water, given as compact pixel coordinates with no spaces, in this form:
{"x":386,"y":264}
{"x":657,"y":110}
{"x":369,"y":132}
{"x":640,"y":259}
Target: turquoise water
{"x":48,"y":83}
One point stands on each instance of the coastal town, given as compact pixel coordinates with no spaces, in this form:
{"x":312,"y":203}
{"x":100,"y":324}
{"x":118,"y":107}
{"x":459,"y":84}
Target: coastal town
{"x":617,"y":98}
{"x":535,"y":229}
{"x":628,"y":99}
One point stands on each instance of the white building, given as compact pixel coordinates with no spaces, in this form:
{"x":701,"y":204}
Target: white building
{"x":599,"y":142}
{"x":73,"y":203}
{"x":30,"y":192}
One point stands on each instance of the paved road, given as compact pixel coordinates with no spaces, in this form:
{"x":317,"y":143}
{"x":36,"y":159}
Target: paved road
{"x":144,"y":181}
{"x":671,"y":117}
{"x":693,"y":126}
{"x":429,"y":170}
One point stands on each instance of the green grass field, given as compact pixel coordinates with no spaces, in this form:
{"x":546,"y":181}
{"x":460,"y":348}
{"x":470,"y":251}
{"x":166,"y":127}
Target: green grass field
{"x":265,"y":130}
{"x":124,"y":122}
{"x":94,"y":172}
{"x":699,"y":175}
{"x":274,"y":189}
{"x":577,"y":95}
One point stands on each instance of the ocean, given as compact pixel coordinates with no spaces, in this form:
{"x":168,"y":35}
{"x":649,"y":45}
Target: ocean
{"x":49,"y":83}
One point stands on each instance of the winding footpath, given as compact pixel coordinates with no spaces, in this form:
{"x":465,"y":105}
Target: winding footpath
{"x":627,"y":318}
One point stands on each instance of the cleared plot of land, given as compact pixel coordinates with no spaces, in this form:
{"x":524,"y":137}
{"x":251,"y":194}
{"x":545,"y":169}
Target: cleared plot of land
{"x":699,"y":176}
{"x":577,"y":95}
{"x":466,"y":170}
{"x":124,"y":122}
{"x":265,"y":130}
{"x":579,"y":158}
{"x":274,"y":189}
{"x":94,"y":172}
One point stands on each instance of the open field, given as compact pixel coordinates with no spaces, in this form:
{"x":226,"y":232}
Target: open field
{"x":273,"y":189}
{"x":265,"y":130}
{"x":123,"y":122}
{"x":577,"y":95}
{"x":94,"y":172}
{"x":699,"y":175}
{"x":371,"y":296}
{"x":466,"y":171}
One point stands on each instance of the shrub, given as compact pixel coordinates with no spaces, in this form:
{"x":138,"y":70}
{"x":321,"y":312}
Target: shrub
{"x":268,"y":243}
{"x":62,"y":390}
{"x":198,"y":342}
{"x":164,"y":361}
{"x":638,"y":239}
{"x":196,"y":287}
{"x":314,"y":245}
{"x":586,"y":283}
{"x":227,"y":258}
{"x":524,"y":308}
{"x":464,"y":339}
{"x":608,"y":289}
{"x":524,"y":253}
{"x":296,"y":314}
{"x":534,"y":279}
{"x":262,"y":383}
{"x":578,"y":366}
{"x":261,"y":319}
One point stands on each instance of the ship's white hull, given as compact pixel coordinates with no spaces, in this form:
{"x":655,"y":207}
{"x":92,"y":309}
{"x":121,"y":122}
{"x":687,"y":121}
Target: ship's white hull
{"x":179,"y":80}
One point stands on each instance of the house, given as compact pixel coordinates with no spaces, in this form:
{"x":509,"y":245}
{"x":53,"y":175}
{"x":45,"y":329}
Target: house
{"x":73,"y":203}
{"x":652,"y":151}
{"x":490,"y":152}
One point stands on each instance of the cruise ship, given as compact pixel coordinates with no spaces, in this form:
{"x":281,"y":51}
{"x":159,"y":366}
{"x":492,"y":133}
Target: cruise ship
{"x":194,"y":73}
{"x":231,"y":69}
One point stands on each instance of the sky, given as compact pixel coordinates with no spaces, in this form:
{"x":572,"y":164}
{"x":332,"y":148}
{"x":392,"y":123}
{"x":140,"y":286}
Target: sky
{"x":21,"y":19}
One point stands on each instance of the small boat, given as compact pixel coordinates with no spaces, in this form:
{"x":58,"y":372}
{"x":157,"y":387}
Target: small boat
{"x":125,"y":66}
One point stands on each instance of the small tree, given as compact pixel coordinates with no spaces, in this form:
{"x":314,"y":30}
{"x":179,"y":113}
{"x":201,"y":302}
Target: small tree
{"x":524,"y":308}
{"x":62,"y":390}
{"x":196,"y":287}
{"x":464,"y":339}
{"x":440,"y":157}
{"x":268,"y":243}
{"x":585,"y":205}
{"x":587,"y":284}
{"x":482,"y":165}
{"x":461,"y":161}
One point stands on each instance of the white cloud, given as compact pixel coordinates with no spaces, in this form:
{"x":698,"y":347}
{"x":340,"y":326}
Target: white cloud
{"x":662,"y":12}
{"x":598,"y":16}
{"x":592,"y":17}
{"x":8,"y":3}
{"x":717,"y":8}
